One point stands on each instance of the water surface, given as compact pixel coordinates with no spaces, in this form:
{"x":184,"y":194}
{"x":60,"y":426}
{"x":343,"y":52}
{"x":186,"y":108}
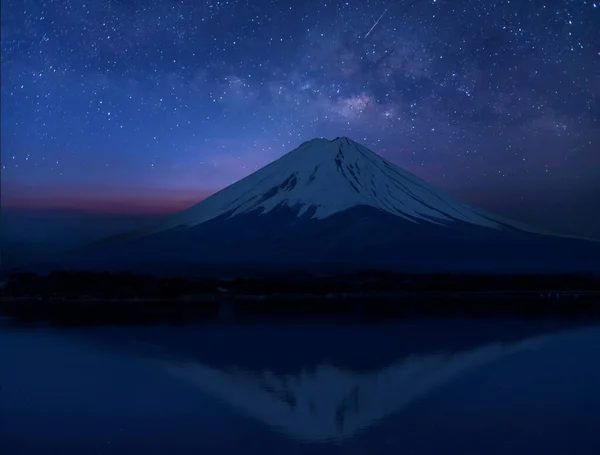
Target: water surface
{"x":420,"y":387}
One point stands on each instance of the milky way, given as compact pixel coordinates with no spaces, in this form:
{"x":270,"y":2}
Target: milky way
{"x":168,"y":101}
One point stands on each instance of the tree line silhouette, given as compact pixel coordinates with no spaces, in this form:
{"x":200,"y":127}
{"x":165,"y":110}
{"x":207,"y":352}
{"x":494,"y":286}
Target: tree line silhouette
{"x":124,"y":285}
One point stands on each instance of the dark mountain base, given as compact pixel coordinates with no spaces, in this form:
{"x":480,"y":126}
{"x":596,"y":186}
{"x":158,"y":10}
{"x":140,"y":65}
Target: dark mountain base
{"x":360,"y":238}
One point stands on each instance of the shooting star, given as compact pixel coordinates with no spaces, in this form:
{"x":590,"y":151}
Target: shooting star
{"x":375,"y":24}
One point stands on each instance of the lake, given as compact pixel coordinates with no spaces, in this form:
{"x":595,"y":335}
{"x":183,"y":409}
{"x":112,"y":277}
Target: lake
{"x":421,"y":386}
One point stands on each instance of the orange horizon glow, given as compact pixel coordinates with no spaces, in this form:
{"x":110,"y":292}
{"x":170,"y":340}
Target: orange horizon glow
{"x":101,"y":200}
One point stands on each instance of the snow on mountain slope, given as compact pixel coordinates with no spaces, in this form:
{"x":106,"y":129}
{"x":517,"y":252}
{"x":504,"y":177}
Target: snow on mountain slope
{"x":323,"y":177}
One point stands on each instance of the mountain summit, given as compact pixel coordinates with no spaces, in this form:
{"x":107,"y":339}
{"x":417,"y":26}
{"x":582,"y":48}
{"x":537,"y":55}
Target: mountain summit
{"x":332,"y":206}
{"x":321,"y":178}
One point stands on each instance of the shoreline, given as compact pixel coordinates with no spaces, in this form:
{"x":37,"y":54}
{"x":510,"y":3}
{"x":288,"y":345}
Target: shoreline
{"x":337,"y":308}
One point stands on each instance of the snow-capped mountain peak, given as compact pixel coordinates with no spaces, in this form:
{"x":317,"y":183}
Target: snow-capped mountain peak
{"x":334,"y":206}
{"x":324,"y":177}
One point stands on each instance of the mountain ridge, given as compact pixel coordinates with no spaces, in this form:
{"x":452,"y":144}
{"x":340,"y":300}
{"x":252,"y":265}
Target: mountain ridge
{"x":338,"y":204}
{"x":329,"y":176}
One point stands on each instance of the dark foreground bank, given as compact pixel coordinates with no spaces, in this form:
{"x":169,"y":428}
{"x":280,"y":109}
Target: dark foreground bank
{"x":104,"y":298}
{"x":350,"y":308}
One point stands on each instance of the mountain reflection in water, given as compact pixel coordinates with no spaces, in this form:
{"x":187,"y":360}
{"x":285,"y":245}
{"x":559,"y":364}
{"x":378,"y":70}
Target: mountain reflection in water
{"x":332,"y":404}
{"x":419,"y":387}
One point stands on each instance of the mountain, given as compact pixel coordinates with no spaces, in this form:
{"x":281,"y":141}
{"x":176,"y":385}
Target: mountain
{"x":322,"y":178}
{"x":334,"y":205}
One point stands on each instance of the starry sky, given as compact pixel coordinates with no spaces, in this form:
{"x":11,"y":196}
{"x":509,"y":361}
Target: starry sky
{"x":145,"y":106}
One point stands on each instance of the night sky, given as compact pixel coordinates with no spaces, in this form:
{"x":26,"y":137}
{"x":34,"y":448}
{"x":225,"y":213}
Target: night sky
{"x":145,"y":107}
